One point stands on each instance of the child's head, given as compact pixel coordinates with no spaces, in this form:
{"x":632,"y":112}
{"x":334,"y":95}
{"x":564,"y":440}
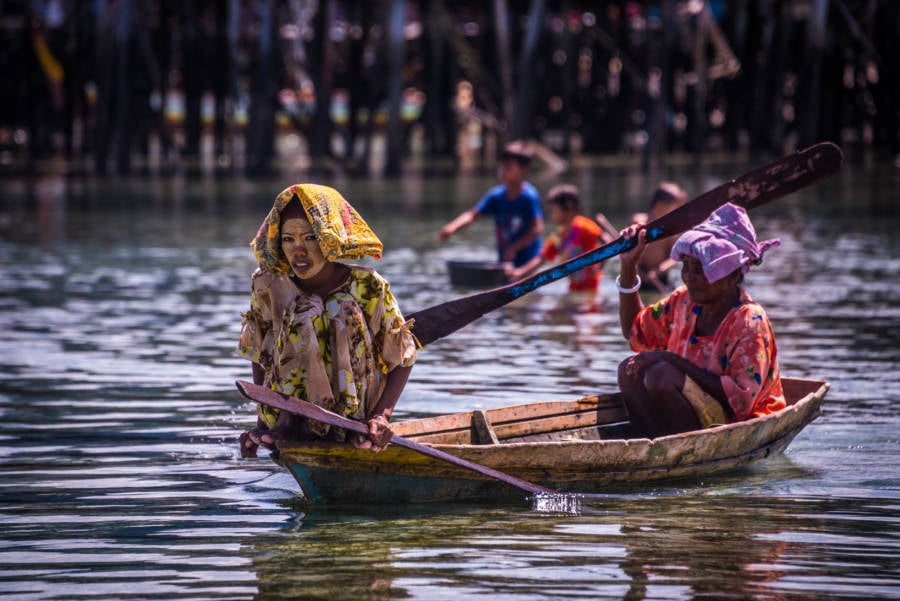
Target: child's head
{"x":563,"y":203}
{"x":514,"y":161}
{"x":667,"y":197}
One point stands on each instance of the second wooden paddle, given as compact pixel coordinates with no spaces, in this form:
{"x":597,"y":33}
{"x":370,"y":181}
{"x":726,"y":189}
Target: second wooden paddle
{"x":765,"y":184}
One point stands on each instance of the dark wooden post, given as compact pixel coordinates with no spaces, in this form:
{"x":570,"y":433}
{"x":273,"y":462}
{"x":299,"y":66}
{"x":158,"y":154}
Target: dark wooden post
{"x":261,"y":126}
{"x":504,"y":65}
{"x":234,"y":32}
{"x":700,"y":88}
{"x":439,"y":119}
{"x":778,"y":51}
{"x":321,"y":69}
{"x":809,"y":108}
{"x":191,"y":77}
{"x":523,"y":108}
{"x":396,"y":58}
{"x":659,"y":92}
{"x":123,"y":128}
{"x":568,"y":80}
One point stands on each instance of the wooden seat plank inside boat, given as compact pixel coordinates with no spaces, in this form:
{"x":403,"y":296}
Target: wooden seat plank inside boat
{"x":554,"y":420}
{"x":484,"y":428}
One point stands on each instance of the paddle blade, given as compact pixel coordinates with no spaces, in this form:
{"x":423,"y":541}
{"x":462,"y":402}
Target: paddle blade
{"x":267,"y":396}
{"x":756,"y":188}
{"x":440,"y":320}
{"x":772,"y":181}
{"x":786,"y":175}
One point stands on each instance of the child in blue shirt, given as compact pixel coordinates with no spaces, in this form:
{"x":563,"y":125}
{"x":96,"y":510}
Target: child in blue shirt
{"x":515,"y":205}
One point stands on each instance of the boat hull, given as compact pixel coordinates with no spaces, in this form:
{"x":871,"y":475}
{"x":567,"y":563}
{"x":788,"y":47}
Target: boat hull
{"x":572,"y":446}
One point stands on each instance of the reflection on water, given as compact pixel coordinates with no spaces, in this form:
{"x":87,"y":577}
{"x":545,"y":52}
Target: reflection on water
{"x":120,"y":478}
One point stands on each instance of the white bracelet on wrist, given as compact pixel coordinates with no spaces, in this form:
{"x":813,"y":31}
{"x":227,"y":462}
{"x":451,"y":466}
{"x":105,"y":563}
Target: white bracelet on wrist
{"x":631,"y":290}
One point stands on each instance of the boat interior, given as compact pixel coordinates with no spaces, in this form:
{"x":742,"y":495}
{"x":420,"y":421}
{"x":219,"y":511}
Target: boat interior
{"x":596,"y":417}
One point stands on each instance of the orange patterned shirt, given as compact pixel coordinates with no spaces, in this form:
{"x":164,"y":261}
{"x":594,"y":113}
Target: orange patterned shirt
{"x":584,"y":235}
{"x":742,"y":351}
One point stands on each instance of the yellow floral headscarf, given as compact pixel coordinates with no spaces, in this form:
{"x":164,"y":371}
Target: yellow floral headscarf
{"x":341,"y":232}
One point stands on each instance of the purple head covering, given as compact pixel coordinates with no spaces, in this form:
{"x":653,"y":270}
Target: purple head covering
{"x":723,"y":243}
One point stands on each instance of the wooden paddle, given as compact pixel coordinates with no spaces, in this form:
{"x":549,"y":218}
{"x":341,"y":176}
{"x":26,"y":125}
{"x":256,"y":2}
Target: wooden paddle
{"x":765,"y":184}
{"x":266,"y":396}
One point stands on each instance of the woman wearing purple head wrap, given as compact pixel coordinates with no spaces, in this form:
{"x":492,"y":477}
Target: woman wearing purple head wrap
{"x":706,"y":354}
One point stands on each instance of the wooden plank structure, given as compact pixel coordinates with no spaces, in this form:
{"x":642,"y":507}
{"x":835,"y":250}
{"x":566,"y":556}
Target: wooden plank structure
{"x":573,"y":446}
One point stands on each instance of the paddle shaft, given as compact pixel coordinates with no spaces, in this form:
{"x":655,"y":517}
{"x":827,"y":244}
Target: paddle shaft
{"x":267,"y":396}
{"x":758,"y":187}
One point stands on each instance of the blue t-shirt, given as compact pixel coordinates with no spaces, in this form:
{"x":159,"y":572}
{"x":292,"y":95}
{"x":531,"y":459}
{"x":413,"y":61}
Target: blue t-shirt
{"x":513,"y":218}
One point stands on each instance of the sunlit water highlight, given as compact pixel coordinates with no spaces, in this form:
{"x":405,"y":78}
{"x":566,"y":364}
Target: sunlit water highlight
{"x":120,"y":477}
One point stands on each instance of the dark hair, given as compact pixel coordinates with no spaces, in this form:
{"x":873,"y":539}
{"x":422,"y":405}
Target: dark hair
{"x":518,"y":151}
{"x":293,"y":210}
{"x":565,"y":196}
{"x":668,"y":192}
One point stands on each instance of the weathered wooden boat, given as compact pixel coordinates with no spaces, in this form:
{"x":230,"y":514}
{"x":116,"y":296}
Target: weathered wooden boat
{"x":573,"y":446}
{"x":477,"y":274}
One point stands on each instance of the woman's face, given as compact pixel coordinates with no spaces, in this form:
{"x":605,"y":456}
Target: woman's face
{"x":699,"y":288}
{"x":301,"y":248}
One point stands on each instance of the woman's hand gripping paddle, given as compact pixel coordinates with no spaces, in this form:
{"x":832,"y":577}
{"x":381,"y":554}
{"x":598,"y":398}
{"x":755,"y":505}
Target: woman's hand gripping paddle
{"x":758,"y":187}
{"x":264,"y":395}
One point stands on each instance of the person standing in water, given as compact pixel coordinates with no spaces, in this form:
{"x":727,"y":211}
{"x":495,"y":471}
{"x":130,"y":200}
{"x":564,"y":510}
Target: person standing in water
{"x":515,"y":205}
{"x":575,"y":234}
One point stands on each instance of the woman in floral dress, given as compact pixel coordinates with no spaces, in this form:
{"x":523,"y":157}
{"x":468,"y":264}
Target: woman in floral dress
{"x":321,"y":329}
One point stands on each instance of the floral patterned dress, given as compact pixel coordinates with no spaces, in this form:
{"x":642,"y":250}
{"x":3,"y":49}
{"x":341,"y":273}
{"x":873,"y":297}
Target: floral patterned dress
{"x":742,"y":351}
{"x":359,"y":336}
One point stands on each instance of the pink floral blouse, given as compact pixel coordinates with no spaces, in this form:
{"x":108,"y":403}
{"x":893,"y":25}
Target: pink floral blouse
{"x":742,"y":351}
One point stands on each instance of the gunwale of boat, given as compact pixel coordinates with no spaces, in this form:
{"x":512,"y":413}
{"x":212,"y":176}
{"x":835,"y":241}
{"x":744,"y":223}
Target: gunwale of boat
{"x":571,"y":461}
{"x":473,"y":428}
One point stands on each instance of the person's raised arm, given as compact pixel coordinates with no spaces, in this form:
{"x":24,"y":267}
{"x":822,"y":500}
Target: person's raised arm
{"x":462,"y":220}
{"x":628,"y":282}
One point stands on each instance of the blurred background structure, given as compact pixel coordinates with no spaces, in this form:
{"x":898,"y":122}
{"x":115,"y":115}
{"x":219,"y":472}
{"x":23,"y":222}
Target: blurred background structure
{"x":249,"y":86}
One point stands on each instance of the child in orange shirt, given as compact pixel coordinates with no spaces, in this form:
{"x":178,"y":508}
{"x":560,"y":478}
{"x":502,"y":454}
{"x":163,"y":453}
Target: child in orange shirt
{"x":575,"y":234}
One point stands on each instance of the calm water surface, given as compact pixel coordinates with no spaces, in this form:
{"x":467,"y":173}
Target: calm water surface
{"x":119,"y":471}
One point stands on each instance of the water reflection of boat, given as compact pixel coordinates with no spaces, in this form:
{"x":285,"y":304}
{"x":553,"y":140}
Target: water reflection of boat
{"x":577,"y":446}
{"x":477,"y":274}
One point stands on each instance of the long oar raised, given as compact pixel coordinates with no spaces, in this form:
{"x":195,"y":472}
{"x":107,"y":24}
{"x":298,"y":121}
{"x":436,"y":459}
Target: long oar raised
{"x":765,"y":184}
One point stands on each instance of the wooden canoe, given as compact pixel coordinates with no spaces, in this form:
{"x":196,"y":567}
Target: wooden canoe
{"x":573,"y":446}
{"x":477,"y":274}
